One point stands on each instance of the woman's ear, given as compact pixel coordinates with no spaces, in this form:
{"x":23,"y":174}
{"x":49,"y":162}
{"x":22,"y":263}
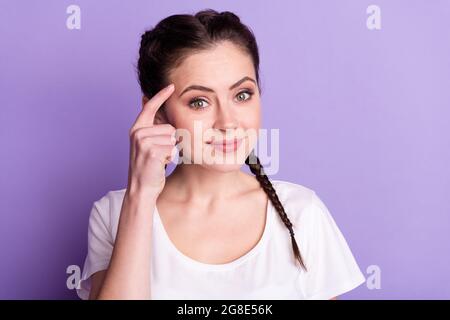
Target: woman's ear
{"x":161,"y":116}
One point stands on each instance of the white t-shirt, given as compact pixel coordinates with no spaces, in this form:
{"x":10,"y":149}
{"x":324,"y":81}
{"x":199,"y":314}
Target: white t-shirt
{"x":267,"y":271}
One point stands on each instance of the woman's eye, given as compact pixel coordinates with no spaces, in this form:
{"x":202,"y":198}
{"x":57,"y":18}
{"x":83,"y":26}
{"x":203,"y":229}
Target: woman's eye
{"x":198,"y":103}
{"x":244,"y":95}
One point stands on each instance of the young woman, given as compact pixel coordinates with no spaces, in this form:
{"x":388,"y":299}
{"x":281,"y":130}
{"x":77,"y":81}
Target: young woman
{"x":208,"y":230}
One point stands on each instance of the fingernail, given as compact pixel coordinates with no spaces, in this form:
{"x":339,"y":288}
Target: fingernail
{"x":170,"y":86}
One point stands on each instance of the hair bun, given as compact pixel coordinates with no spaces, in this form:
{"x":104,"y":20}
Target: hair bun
{"x":230,"y":15}
{"x":208,"y":15}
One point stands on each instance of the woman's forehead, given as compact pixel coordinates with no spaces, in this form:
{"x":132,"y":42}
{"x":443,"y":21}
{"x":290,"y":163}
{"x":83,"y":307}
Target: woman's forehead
{"x":221,"y":65}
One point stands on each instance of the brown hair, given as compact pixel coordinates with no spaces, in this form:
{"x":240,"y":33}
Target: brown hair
{"x":172,"y":39}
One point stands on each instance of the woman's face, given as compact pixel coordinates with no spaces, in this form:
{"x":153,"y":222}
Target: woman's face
{"x":216,"y":101}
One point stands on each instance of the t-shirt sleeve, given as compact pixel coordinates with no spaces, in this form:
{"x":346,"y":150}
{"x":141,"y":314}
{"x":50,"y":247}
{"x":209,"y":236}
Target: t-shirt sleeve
{"x":332,"y":268}
{"x":100,"y":245}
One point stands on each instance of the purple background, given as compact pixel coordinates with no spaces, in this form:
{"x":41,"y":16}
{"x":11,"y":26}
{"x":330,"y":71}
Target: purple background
{"x":363,"y":117}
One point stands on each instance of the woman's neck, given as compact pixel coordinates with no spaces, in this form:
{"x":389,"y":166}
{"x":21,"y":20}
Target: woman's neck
{"x":192,"y":183}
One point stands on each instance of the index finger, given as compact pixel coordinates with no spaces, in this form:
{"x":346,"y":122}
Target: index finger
{"x":148,"y":112}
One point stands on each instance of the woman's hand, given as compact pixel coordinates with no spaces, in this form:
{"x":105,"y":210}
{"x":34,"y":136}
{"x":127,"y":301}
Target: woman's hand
{"x":152,"y":146}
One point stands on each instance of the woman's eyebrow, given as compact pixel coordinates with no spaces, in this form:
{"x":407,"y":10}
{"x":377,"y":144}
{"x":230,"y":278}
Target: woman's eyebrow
{"x":202,"y":88}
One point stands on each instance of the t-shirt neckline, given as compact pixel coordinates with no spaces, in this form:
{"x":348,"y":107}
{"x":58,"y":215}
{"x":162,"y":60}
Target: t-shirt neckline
{"x":222,"y":266}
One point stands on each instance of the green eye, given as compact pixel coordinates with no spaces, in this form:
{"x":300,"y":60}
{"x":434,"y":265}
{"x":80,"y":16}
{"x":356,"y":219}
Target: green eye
{"x":198,"y":104}
{"x":241,"y":96}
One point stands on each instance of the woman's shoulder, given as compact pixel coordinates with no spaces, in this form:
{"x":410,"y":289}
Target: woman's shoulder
{"x":299,"y":201}
{"x":288,"y":187}
{"x":293,"y":193}
{"x":110,"y":200}
{"x":286,"y":190}
{"x":108,"y":207}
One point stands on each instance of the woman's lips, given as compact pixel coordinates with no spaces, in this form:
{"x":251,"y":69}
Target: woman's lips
{"x":226,"y":145}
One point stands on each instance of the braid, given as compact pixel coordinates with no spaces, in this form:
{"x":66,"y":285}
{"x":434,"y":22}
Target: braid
{"x":258,"y":170}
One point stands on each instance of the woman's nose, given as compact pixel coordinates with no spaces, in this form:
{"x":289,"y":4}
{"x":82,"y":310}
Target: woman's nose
{"x":225,"y":118}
